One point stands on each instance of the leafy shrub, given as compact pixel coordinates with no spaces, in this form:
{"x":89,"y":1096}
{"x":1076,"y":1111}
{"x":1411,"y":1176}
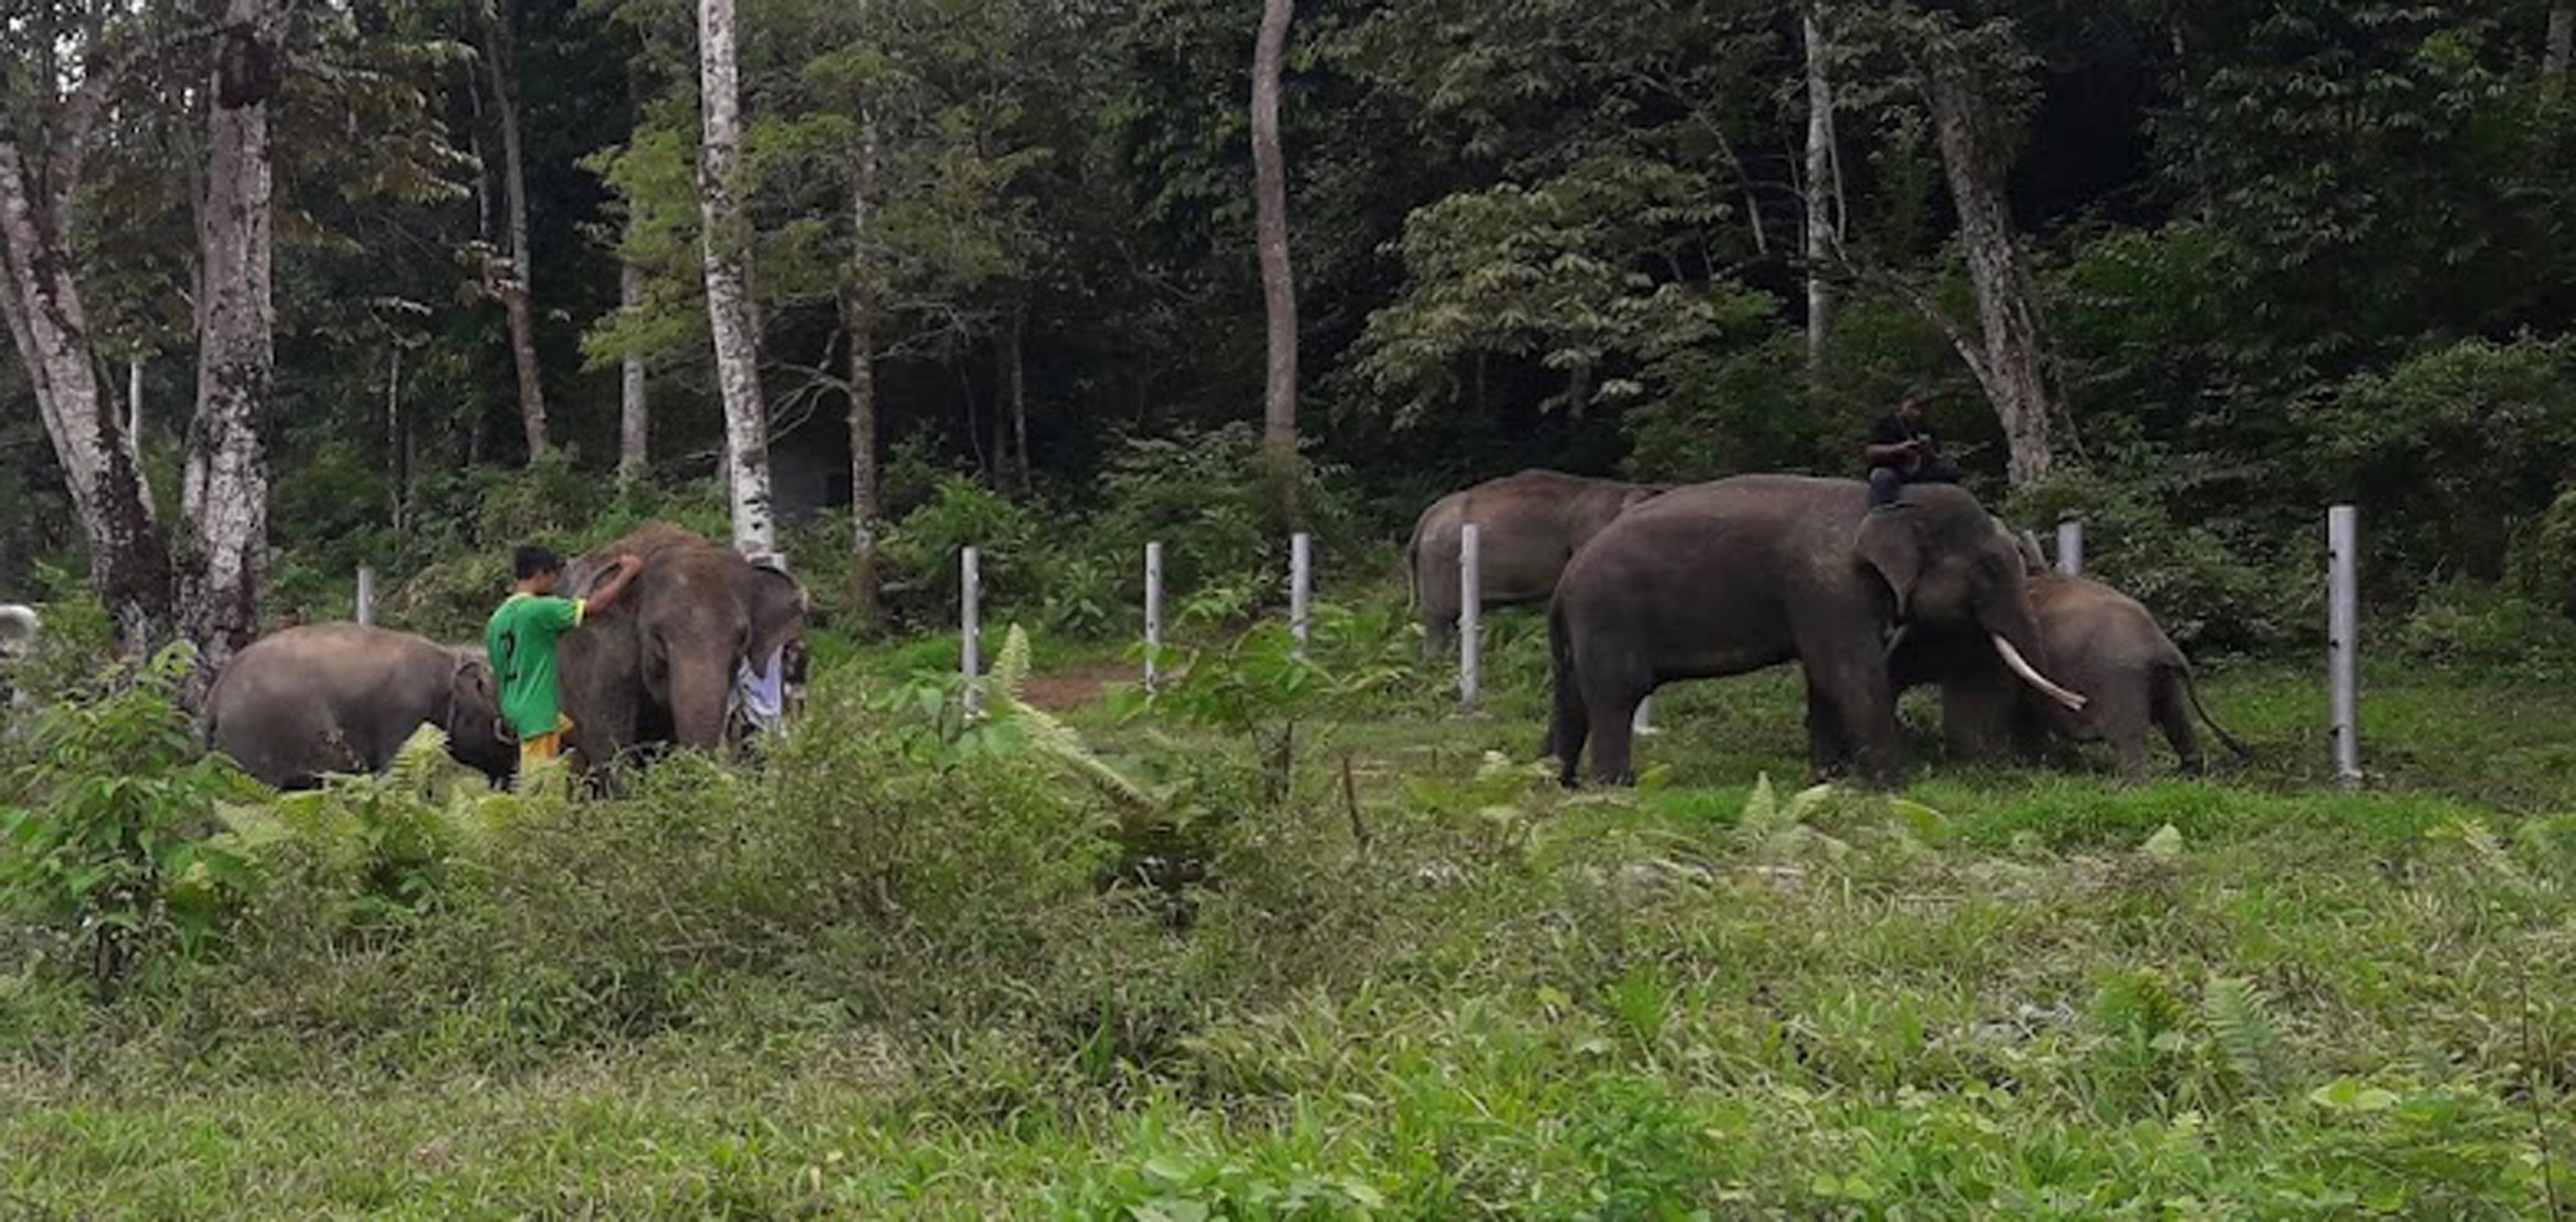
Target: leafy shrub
{"x":2447,"y":452}
{"x":1192,"y":492}
{"x":2472,"y":622}
{"x":106,"y":856}
{"x":388,"y":845}
{"x":922,"y":579}
{"x":1730,"y":413}
{"x":2208,"y":588}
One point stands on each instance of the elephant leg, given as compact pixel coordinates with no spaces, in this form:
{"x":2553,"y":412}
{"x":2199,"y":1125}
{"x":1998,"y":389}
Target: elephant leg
{"x":2173,"y":716}
{"x":1829,"y":752}
{"x":1853,"y":681}
{"x":1979,"y":709}
{"x":2122,"y":715}
{"x":1614,"y":732}
{"x":1439,"y":636}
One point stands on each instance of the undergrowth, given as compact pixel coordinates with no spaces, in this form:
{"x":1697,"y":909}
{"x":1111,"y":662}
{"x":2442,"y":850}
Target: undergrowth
{"x":922,"y":961}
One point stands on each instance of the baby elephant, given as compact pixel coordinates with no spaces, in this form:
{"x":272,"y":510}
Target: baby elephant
{"x":2101,"y":643}
{"x":344,"y":698}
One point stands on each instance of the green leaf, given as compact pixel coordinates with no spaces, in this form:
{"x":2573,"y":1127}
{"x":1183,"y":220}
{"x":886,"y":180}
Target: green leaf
{"x":2165,"y":846}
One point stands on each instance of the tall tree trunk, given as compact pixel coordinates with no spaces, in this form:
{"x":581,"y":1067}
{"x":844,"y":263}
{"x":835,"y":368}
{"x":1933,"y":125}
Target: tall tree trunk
{"x":2011,"y":361}
{"x":1015,"y":368}
{"x":518,"y":293}
{"x":397,"y":437}
{"x":635,"y":410}
{"x":1822,"y":237}
{"x":729,"y":306}
{"x":1270,"y":207}
{"x":1001,"y":420}
{"x":864,"y":509}
{"x":859,"y":318}
{"x":134,"y":411}
{"x":2562,"y":43}
{"x":128,"y":564}
{"x":225,"y":494}
{"x":635,"y":413}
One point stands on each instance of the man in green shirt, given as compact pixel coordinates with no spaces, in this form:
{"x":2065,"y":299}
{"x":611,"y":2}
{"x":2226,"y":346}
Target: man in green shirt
{"x":520,"y":642}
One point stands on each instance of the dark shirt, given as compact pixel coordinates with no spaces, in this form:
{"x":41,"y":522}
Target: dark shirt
{"x":1892,"y":429}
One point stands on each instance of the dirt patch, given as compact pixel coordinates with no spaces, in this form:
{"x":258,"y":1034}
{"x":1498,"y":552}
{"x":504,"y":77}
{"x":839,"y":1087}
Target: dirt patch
{"x":1068,"y":690}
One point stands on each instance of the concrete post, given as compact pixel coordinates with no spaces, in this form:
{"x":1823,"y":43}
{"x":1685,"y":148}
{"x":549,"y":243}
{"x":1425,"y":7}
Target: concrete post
{"x":1301,"y":576}
{"x":970,"y":629}
{"x":366,"y":595}
{"x":2343,"y":598}
{"x":2070,"y":547}
{"x":1153,"y":612}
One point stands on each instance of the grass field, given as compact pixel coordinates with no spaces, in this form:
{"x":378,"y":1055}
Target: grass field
{"x":861,"y":985}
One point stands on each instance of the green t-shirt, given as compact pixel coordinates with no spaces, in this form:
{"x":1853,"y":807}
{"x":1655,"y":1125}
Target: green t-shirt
{"x":521,"y":644}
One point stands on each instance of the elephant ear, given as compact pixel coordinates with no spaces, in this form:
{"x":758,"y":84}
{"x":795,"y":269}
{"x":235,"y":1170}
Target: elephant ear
{"x":776,"y":603}
{"x":471,"y":686}
{"x":1891,"y":542}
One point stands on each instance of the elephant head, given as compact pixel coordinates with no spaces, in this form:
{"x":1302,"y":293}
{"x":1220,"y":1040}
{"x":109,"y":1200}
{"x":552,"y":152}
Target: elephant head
{"x":658,"y":667}
{"x":476,"y":735}
{"x":1953,"y":568}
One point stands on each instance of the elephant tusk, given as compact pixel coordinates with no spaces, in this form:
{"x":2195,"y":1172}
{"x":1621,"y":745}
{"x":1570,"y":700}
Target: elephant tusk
{"x":1896,"y":640}
{"x":2021,"y":666}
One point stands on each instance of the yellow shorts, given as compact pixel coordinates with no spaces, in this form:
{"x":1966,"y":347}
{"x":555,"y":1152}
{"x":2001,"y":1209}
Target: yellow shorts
{"x":545,"y":746}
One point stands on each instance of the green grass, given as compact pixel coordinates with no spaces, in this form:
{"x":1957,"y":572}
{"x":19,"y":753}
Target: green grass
{"x":1508,"y":1002}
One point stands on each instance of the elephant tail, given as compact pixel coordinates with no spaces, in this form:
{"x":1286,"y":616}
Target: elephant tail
{"x":1413,"y":571}
{"x":1571,"y":722}
{"x":2191,"y":688}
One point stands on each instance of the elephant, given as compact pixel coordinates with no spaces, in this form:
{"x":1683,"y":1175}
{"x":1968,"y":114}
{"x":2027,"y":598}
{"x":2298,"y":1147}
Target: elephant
{"x":2104,"y":644}
{"x":345,"y":697}
{"x":657,"y":668}
{"x":1528,"y":526}
{"x":1733,"y":576}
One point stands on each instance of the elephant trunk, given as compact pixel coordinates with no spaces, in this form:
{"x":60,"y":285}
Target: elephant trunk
{"x":700,"y":686}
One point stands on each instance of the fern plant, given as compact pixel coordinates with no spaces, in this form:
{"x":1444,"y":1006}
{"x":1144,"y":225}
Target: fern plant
{"x":2242,"y":1036}
{"x":399,"y":838}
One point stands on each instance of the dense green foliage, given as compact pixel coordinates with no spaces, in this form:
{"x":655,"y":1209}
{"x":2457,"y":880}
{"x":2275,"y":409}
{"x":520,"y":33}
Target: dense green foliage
{"x":1085,"y":967}
{"x":1283,"y":937}
{"x":2285,"y":258}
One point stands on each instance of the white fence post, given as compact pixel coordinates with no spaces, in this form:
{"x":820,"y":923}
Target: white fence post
{"x":1153,"y":611}
{"x":2343,"y":540}
{"x":970,"y":629}
{"x":1301,"y":575}
{"x":1471,"y":600}
{"x":1644,"y":722}
{"x":366,"y":595}
{"x":2070,"y":547}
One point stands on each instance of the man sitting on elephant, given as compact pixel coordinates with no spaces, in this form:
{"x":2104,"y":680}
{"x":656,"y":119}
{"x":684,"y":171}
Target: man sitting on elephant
{"x":521,"y":638}
{"x":1901,"y":451}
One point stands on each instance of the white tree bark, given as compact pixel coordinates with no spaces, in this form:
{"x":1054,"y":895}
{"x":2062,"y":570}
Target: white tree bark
{"x":1270,"y":208}
{"x":128,"y":564}
{"x":859,"y":319}
{"x":1823,"y":236}
{"x":2011,"y":361}
{"x":635,"y":412}
{"x":225,"y":494}
{"x":134,"y":412}
{"x":518,"y":294}
{"x":729,"y":304}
